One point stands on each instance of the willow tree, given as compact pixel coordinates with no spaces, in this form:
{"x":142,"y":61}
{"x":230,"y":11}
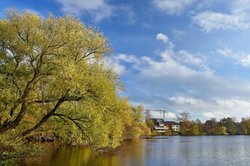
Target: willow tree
{"x":46,"y":65}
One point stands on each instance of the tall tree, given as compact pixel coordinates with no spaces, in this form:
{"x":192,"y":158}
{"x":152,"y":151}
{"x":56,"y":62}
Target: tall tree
{"x":183,"y":116}
{"x":185,"y":123}
{"x":195,"y":130}
{"x":46,"y":62}
{"x":230,"y":125}
{"x":211,"y":127}
{"x":134,"y":126}
{"x":54,"y":80}
{"x":245,"y":125}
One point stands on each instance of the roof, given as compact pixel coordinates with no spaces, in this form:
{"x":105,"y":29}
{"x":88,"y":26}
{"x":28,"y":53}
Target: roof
{"x":157,"y":119}
{"x":171,"y":123}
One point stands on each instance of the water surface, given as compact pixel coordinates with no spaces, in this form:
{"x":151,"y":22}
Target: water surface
{"x":173,"y":151}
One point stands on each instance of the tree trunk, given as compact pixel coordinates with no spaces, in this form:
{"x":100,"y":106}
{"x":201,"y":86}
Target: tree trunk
{"x":13,"y":124}
{"x":45,"y":118}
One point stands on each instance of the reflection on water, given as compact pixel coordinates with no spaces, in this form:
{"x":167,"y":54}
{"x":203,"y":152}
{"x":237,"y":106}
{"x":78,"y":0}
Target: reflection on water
{"x":174,"y":151}
{"x":74,"y":156}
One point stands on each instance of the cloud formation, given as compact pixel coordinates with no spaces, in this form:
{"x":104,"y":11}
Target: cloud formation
{"x":172,"y":7}
{"x":178,"y":80}
{"x":241,"y":58}
{"x":99,"y":9}
{"x":235,"y":19}
{"x":209,"y":21}
{"x":162,"y":37}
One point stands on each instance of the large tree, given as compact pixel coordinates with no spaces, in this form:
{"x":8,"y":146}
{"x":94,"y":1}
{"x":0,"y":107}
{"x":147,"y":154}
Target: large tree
{"x":245,"y":126}
{"x":212,"y":127}
{"x":46,"y":63}
{"x":54,"y":82}
{"x":230,"y":125}
{"x":185,"y":123}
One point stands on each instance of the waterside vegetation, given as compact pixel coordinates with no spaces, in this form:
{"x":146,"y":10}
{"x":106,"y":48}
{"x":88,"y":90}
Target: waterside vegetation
{"x":189,"y":127}
{"x":56,"y":86}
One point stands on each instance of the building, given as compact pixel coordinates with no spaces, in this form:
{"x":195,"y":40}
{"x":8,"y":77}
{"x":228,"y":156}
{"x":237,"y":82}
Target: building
{"x":159,"y":125}
{"x":172,"y":125}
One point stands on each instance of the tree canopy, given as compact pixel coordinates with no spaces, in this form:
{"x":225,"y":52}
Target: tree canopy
{"x":53,"y":79}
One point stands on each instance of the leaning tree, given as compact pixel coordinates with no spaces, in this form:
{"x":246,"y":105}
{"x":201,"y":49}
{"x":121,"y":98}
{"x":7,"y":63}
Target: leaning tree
{"x":46,"y":64}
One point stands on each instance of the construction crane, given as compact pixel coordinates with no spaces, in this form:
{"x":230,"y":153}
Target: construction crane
{"x":162,"y":112}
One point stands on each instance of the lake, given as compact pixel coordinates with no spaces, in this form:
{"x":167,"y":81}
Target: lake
{"x":163,"y":151}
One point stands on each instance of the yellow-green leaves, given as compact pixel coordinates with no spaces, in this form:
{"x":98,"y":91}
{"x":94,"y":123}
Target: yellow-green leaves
{"x":53,"y":78}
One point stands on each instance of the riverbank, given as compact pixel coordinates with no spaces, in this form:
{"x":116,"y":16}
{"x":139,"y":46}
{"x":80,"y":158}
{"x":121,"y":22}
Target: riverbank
{"x":43,"y":151}
{"x":171,"y":151}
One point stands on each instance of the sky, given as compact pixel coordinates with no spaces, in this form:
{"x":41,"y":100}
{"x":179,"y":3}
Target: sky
{"x":173,"y":55}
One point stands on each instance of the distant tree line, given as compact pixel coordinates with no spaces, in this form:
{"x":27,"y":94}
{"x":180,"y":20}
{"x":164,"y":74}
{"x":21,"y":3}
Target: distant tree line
{"x":225,"y":126}
{"x":189,"y":127}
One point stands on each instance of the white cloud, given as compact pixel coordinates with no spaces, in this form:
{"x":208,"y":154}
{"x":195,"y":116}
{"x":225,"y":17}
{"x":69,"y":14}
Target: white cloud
{"x":209,"y":115}
{"x":159,"y":114}
{"x":240,"y":6}
{"x":172,"y":6}
{"x":242,"y":58}
{"x":99,"y":9}
{"x":127,"y":58}
{"x":171,"y":115}
{"x":162,"y":37}
{"x":236,"y":18}
{"x":115,"y":65}
{"x":214,"y":107}
{"x":229,"y":53}
{"x":188,"y":58}
{"x":209,"y":21}
{"x":178,"y":80}
{"x":117,"y":62}
{"x":167,"y":66}
{"x":182,"y":100}
{"x":245,"y":61}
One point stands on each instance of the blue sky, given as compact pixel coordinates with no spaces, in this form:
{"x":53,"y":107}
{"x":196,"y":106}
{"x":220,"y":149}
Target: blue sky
{"x":178,"y":55}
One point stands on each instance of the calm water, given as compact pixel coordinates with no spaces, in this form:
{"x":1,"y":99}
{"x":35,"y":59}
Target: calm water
{"x":171,"y":151}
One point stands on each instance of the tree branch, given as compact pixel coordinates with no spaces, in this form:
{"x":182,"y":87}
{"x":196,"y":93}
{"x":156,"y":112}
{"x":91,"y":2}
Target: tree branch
{"x":45,"y":118}
{"x":52,"y":112}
